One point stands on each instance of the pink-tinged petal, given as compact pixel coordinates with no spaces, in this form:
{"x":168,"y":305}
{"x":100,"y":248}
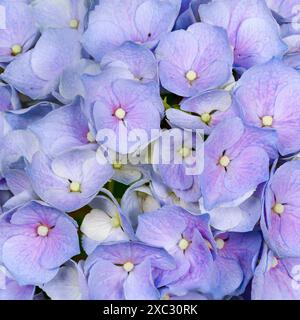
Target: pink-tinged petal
{"x":21,"y":255}
{"x":62,"y":244}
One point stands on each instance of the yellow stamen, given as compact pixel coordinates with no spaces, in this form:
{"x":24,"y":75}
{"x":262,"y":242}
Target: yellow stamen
{"x":74,"y":23}
{"x":220,"y":243}
{"x":278,"y":208}
{"x":183,"y":244}
{"x":128,"y":266}
{"x":117,"y":165}
{"x":120,"y":113}
{"x":191,"y":75}
{"x":90,"y":137}
{"x":75,"y":186}
{"x":267,"y":121}
{"x":206,"y":117}
{"x":42,"y":231}
{"x":224,"y":161}
{"x":16,"y":49}
{"x":116,"y":221}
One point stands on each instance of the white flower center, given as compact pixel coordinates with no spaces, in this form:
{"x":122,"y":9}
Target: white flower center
{"x":220,"y":243}
{"x":120,"y":113}
{"x":75,"y":186}
{"x":16,"y":49}
{"x":128,"y":266}
{"x":42,"y":231}
{"x":206,"y":117}
{"x":74,"y":23}
{"x":183,"y":244}
{"x":191,"y":75}
{"x":267,"y":121}
{"x":278,"y":208}
{"x":90,"y":137}
{"x":117,"y":165}
{"x":116,"y":221}
{"x":224,"y":161}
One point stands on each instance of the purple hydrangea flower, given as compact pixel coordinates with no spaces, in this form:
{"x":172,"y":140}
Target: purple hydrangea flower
{"x":70,"y":180}
{"x":36,"y":73}
{"x":138,"y":59}
{"x":11,"y":290}
{"x":35,"y":240}
{"x":139,"y":21}
{"x":287,"y":15}
{"x":203,"y":111}
{"x":20,"y":30}
{"x":253,"y":33}
{"x":275,"y":278}
{"x":194,"y":60}
{"x":234,"y":264}
{"x":267,"y":98}
{"x":60,"y":14}
{"x":133,"y":269}
{"x":232,"y":153}
{"x":279,"y":222}
{"x":188,"y":239}
{"x":180,"y":165}
{"x":122,"y":108}
{"x":64,"y":129}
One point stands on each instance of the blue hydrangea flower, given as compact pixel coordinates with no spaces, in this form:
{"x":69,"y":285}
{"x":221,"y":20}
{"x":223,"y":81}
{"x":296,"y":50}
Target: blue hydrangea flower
{"x":194,"y":60}
{"x":188,"y":239}
{"x":121,"y":106}
{"x":36,"y":73}
{"x":202,"y":111}
{"x":19,"y":32}
{"x":134,"y":270}
{"x":253,"y":33}
{"x":35,"y":240}
{"x":70,"y":180}
{"x":267,"y":98}
{"x":11,"y":290}
{"x":139,"y":21}
{"x":60,"y":14}
{"x":232,"y":153}
{"x":279,"y":221}
{"x":276,"y":278}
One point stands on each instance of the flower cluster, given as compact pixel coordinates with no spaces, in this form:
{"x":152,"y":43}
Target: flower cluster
{"x":149,"y":149}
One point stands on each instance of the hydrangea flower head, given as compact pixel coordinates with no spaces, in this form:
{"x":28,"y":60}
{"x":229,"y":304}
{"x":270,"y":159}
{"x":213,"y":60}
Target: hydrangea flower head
{"x":139,"y":21}
{"x":253,"y":33}
{"x":35,"y":240}
{"x":194,"y":60}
